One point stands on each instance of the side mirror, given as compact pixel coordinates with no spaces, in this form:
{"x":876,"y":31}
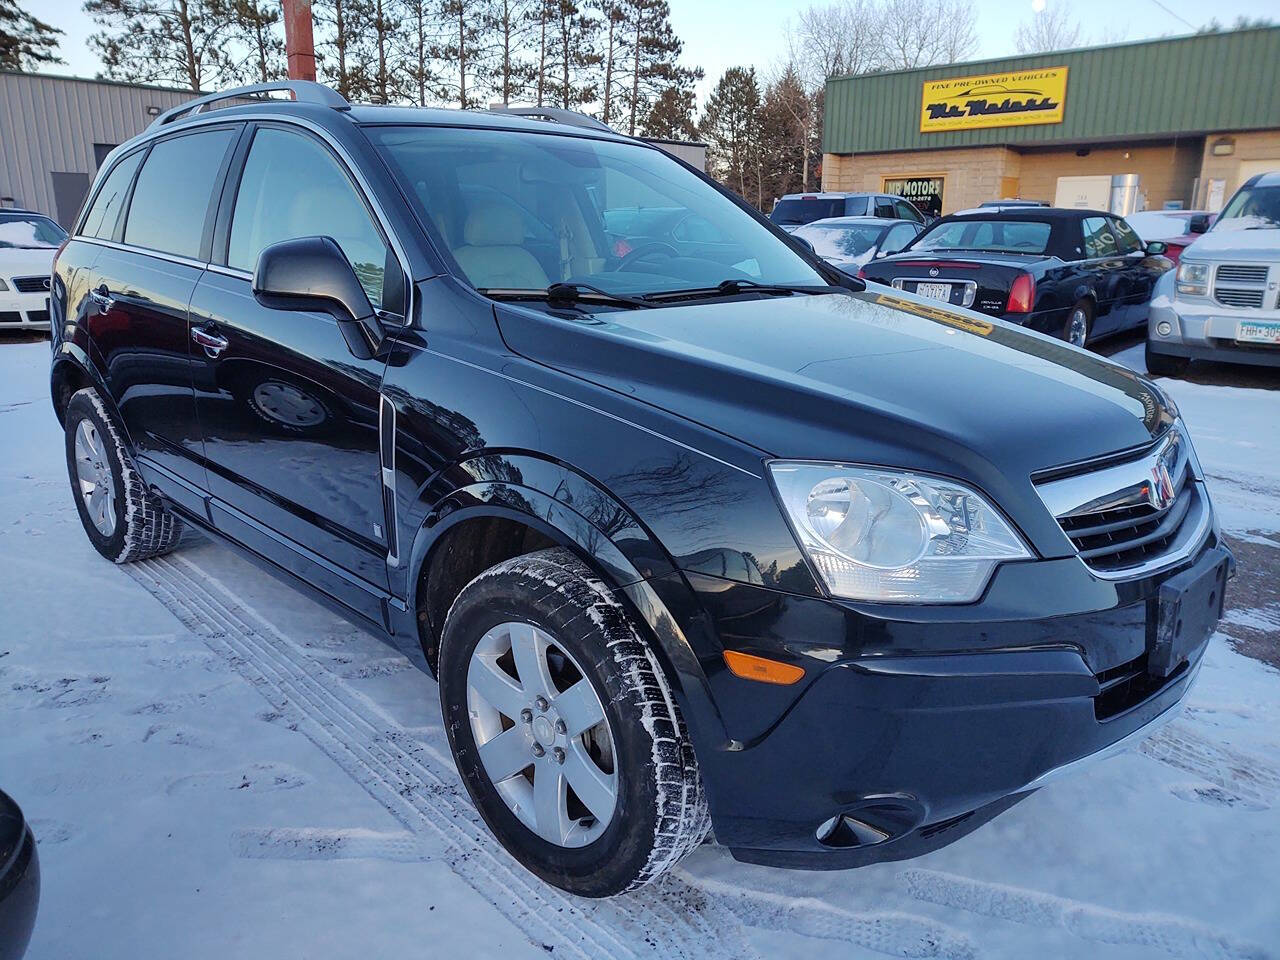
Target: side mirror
{"x":805,"y":243}
{"x":1156,"y":248}
{"x":312,"y":273}
{"x":1199,"y":223}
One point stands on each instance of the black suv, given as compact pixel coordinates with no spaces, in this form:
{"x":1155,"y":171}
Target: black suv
{"x":691,"y":539}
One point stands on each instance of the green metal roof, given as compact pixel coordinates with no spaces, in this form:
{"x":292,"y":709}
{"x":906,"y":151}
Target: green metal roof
{"x":1155,"y":88}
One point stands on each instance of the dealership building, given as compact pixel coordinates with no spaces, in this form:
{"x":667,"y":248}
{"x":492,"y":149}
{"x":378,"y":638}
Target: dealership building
{"x":1172,"y":123}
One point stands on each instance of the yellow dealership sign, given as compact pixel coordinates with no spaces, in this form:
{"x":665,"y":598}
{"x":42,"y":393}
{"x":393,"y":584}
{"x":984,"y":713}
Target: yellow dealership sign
{"x":994,"y":100}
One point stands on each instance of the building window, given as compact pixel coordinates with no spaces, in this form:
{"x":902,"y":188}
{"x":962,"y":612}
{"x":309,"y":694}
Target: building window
{"x":923,"y":191}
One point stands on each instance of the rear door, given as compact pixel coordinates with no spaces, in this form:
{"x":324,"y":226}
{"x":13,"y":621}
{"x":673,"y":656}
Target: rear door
{"x":141,"y":284}
{"x":1139,"y":275}
{"x":1106,"y":271}
{"x":290,"y":415}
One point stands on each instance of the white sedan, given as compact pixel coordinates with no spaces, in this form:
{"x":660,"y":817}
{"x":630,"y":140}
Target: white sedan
{"x":28,"y":242}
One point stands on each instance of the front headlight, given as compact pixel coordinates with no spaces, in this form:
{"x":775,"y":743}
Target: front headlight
{"x":1193,"y":278}
{"x":893,"y":536}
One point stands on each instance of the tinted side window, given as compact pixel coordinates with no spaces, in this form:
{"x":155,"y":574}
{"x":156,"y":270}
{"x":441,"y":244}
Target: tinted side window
{"x":1099,"y":241}
{"x":171,"y":198}
{"x":1126,"y":240}
{"x":897,"y":238}
{"x":908,"y":211}
{"x":884,"y":208}
{"x":105,"y":212}
{"x":293,"y":187}
{"x":855,"y":206}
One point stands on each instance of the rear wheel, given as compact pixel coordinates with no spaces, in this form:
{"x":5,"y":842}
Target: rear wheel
{"x":122,"y":518}
{"x":564,"y":728}
{"x":1163,"y":365}
{"x":1079,"y":324}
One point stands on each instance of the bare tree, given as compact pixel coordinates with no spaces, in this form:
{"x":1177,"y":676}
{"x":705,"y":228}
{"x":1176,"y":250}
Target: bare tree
{"x":836,"y":40}
{"x":922,"y":33}
{"x":1049,"y":29}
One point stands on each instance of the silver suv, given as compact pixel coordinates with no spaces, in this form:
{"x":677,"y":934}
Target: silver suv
{"x":1223,"y":302}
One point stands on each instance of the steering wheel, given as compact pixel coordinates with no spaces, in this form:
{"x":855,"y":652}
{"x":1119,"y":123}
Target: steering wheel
{"x":646,"y":250}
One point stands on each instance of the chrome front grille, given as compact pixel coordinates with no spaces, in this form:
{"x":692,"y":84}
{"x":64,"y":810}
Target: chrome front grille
{"x":1231,"y":297}
{"x":1135,"y":517}
{"x":1242,"y":273}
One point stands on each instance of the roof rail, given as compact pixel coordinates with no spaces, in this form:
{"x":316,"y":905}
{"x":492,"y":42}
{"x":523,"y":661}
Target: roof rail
{"x":570,"y":118}
{"x":302,"y":91}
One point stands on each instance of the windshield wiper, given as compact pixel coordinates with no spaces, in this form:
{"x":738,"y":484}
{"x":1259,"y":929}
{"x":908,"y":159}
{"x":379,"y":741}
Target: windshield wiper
{"x":730,"y":288}
{"x":566,"y":294}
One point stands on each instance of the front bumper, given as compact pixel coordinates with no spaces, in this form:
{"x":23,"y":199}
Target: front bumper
{"x":1202,"y":329}
{"x":24,"y":311}
{"x":937,"y":725}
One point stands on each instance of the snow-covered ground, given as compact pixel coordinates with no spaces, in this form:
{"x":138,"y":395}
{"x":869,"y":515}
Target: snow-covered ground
{"x":216,"y":767}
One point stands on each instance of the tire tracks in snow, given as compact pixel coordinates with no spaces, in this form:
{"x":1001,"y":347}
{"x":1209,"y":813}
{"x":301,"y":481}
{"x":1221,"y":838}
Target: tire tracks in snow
{"x":679,"y":916}
{"x":1172,"y":935}
{"x":420,"y":793}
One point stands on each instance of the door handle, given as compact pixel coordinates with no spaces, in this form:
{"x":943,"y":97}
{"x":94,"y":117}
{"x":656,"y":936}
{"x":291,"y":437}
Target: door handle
{"x":213,"y":343}
{"x":102,"y":297}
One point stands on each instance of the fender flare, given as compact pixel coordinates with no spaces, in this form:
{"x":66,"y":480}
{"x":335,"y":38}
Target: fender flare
{"x":74,"y":355}
{"x":564,"y":525}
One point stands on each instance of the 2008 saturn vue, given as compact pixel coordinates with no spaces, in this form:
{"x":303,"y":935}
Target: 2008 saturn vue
{"x":707,"y":538}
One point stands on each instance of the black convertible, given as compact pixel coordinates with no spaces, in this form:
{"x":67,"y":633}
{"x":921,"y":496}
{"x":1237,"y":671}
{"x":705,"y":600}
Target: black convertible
{"x":1074,"y":274}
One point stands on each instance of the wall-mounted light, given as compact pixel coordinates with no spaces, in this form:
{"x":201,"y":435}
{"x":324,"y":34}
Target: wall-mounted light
{"x":1223,"y":147}
{"x":153,"y":111}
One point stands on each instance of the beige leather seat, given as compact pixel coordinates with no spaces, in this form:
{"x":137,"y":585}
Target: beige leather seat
{"x":492,"y":254}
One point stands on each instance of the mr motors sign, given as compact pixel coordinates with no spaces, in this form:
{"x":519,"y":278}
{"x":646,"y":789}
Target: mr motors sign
{"x":993,"y":100}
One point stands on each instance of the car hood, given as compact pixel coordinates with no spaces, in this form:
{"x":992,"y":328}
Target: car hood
{"x":17,"y":262}
{"x":1224,"y":243}
{"x":870,"y":377}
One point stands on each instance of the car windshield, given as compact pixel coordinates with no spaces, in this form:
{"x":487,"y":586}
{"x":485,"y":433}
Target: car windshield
{"x":841,"y":241}
{"x":1160,"y":225}
{"x":1000,"y":236}
{"x":807,"y":209}
{"x":521,"y":211}
{"x":1252,"y":207}
{"x":30,"y":233}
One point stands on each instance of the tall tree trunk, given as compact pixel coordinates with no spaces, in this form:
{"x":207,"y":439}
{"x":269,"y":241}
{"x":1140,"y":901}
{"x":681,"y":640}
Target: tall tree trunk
{"x":542,"y":53}
{"x":506,"y":53}
{"x":260,"y":34}
{"x":608,"y":68}
{"x":422,"y":54}
{"x":340,"y":45}
{"x":188,"y":46}
{"x":635,"y":74}
{"x":564,"y":59}
{"x":381,"y":28}
{"x":462,"y":55}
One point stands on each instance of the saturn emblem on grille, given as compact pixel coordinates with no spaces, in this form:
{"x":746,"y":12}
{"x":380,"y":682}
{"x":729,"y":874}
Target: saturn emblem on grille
{"x":1161,"y":492}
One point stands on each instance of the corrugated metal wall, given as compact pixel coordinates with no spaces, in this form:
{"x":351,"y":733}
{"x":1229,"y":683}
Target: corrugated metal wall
{"x":1185,"y":85}
{"x":49,"y":125}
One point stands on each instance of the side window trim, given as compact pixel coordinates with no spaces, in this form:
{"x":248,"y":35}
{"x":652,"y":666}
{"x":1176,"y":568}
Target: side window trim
{"x":221,"y":239}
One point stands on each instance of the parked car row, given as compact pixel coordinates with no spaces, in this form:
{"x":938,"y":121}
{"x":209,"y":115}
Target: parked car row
{"x":796,"y":209}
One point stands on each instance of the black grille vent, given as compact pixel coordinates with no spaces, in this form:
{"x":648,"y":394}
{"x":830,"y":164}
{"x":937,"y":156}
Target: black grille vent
{"x":31,"y":284}
{"x":1129,"y":536}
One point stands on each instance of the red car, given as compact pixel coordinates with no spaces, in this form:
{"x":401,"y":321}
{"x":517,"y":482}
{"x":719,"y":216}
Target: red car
{"x":1178,"y":229}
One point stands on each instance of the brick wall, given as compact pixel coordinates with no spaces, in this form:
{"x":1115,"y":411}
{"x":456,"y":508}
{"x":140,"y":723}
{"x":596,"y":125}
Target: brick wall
{"x":972,"y":174}
{"x":1167,"y":171}
{"x":1255,"y":152}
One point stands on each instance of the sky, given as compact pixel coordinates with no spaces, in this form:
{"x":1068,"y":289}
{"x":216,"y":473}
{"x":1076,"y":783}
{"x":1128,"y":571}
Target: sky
{"x":719,"y":34}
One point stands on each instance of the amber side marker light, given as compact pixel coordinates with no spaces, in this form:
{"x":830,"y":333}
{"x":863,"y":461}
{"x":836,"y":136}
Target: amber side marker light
{"x":748,"y":667}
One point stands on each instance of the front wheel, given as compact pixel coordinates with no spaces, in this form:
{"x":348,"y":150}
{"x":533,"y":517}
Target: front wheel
{"x":122,"y":518}
{"x":564,"y":729}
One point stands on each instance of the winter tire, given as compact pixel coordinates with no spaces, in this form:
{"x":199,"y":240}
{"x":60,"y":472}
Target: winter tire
{"x":564,"y":729}
{"x":1164,"y":365}
{"x":122,"y":518}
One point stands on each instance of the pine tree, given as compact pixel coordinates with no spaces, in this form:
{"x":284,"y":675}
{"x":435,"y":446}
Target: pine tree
{"x":342,"y":53}
{"x":462,"y":51}
{"x":182,"y":42}
{"x":383,"y":31}
{"x":26,"y":42}
{"x":511,"y":24}
{"x":730,"y":125}
{"x":571,"y":45}
{"x":653,"y":50}
{"x":671,"y":116}
{"x":258,"y":28}
{"x":420,"y":38}
{"x":612,"y":20}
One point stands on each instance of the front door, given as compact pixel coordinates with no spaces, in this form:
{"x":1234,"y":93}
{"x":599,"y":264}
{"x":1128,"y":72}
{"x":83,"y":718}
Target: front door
{"x":1108,"y":272}
{"x":289,"y":414}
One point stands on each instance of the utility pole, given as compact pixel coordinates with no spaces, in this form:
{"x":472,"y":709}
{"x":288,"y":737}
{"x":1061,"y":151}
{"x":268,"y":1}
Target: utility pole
{"x":299,"y":42}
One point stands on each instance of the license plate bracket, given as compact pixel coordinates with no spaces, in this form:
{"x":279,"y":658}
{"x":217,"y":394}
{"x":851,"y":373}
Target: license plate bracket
{"x":1190,"y":606}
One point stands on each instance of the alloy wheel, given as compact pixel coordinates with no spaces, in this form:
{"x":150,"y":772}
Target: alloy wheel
{"x":94,"y":478}
{"x":543,"y":738}
{"x":1078,"y":327}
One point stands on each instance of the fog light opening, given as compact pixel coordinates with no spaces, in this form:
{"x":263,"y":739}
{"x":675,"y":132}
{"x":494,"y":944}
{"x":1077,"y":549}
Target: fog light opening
{"x":1164,"y":328}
